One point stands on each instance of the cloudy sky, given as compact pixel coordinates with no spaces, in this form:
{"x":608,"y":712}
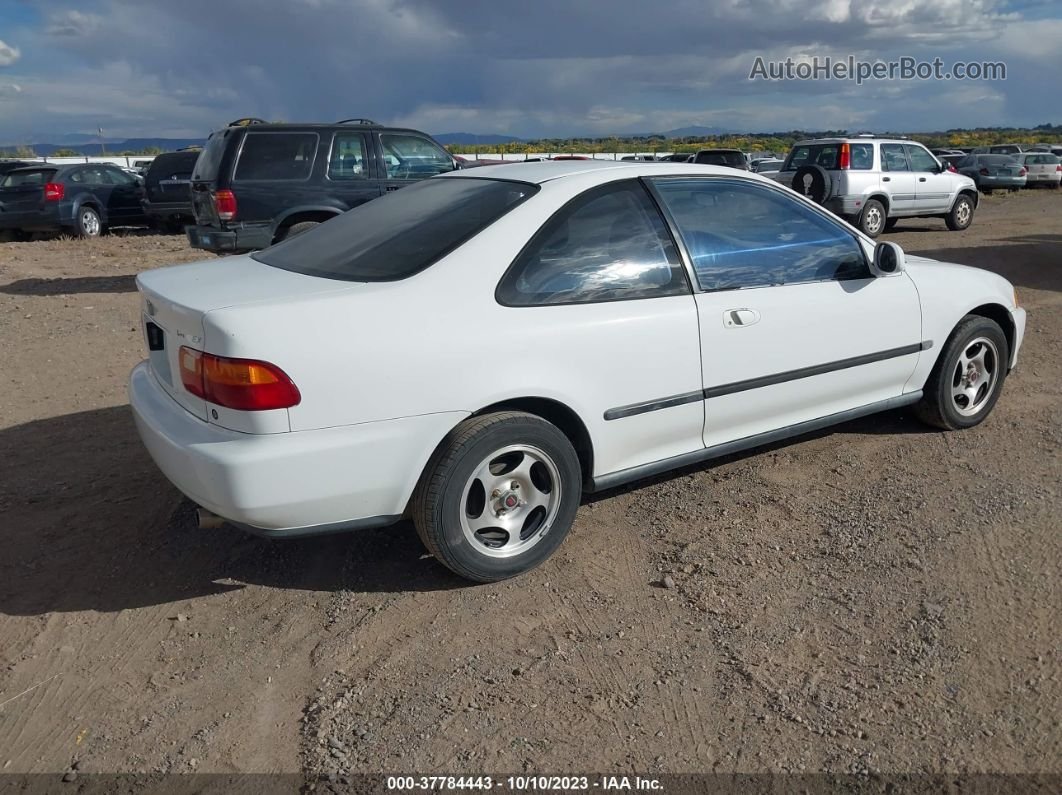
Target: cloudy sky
{"x":551,"y":67}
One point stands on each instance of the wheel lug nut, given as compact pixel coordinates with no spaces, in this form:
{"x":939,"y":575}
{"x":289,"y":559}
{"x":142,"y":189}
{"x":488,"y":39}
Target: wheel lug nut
{"x":495,"y":493}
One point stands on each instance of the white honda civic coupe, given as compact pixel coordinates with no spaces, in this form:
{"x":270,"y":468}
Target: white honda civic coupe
{"x":479,"y":349}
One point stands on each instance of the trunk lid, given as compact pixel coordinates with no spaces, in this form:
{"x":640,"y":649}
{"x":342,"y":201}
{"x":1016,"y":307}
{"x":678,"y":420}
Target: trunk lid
{"x":175,"y":300}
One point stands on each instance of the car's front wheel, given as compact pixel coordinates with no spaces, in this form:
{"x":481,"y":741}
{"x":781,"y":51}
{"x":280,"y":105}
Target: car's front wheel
{"x":872,"y":219}
{"x":498,"y":496}
{"x":961,"y":215}
{"x":967,"y":379}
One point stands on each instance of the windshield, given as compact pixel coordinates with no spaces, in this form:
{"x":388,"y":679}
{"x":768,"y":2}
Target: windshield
{"x":721,"y":157}
{"x":209,"y":160}
{"x":404,"y":232}
{"x":17,"y":179}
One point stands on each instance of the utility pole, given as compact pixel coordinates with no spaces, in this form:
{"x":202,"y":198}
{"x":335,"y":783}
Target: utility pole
{"x":103,"y":151}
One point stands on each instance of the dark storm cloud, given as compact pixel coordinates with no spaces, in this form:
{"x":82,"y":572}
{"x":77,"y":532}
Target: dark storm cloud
{"x":545,"y":68}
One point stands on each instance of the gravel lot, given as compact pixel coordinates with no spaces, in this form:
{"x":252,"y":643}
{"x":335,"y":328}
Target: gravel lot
{"x":878,"y":598}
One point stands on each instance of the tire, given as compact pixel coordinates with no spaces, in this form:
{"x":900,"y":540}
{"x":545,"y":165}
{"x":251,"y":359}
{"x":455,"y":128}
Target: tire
{"x":873,"y":218}
{"x":88,"y":223}
{"x":452,"y":505}
{"x":813,"y":182}
{"x":981,"y":344}
{"x":961,"y":214}
{"x":890,"y":224}
{"x":20,"y":235}
{"x":299,"y":228}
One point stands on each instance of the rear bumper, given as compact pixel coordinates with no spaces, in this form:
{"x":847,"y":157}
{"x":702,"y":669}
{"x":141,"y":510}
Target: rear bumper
{"x":168,"y":209}
{"x":242,"y":238}
{"x":49,"y":217}
{"x":287,"y":484}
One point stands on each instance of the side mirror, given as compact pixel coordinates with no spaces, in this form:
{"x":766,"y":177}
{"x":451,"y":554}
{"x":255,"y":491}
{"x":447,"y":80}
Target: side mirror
{"x":888,"y":260}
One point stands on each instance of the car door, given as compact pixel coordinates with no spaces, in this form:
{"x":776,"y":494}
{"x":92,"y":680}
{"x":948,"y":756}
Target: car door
{"x":933,"y":188}
{"x":94,"y":180}
{"x":603,"y":299}
{"x":793,"y":326}
{"x":124,"y":202}
{"x":898,"y":179}
{"x":406,"y":157}
{"x":352,"y":173}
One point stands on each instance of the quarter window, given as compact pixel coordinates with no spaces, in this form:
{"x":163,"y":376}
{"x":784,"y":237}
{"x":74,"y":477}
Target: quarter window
{"x":610,"y":244}
{"x":893,"y":158}
{"x":413,"y":157}
{"x":348,"y":157}
{"x":743,"y":235}
{"x":276,"y":156}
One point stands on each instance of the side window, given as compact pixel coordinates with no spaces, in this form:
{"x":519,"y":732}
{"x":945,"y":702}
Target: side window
{"x":862,"y":156}
{"x":797,"y":158}
{"x":118,"y":177}
{"x":609,"y":244}
{"x":740,"y":234}
{"x":413,"y":157}
{"x":94,"y":176}
{"x":893,"y":158}
{"x":348,"y":157}
{"x":276,"y":156}
{"x":920,"y":159}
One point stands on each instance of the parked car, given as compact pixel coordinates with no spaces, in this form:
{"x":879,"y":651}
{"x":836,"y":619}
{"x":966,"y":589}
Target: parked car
{"x":731,"y":158}
{"x":167,"y":190}
{"x":257,"y":183}
{"x":82,"y":199}
{"x":11,"y":165}
{"x":1041,"y":168}
{"x":767,"y":165}
{"x":676,"y":157}
{"x":571,"y":157}
{"x":342,"y":379}
{"x":640,"y":158}
{"x":873,"y":182}
{"x":998,"y":149}
{"x":993,"y":171}
{"x":951,"y":161}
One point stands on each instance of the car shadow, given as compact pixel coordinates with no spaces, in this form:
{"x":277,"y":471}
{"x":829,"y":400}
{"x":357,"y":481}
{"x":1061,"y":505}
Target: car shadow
{"x":89,"y":523}
{"x":1026,"y":261}
{"x":71,"y":285}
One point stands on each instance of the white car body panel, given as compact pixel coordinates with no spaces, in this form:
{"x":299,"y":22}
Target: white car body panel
{"x":387,"y":369}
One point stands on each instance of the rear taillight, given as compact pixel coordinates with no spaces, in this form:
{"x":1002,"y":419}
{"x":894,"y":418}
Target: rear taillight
{"x":951,"y":168}
{"x":225,"y":204}
{"x":984,"y":172}
{"x":1022,"y":173}
{"x":1058,"y":167}
{"x":244,"y":384}
{"x":54,"y":191}
{"x":846,"y":157}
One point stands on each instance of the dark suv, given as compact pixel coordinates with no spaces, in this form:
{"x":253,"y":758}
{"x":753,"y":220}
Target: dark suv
{"x":167,"y":196}
{"x":256,"y":183}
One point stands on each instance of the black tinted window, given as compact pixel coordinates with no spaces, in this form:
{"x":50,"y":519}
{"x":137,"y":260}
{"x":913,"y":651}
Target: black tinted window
{"x":177,"y":165}
{"x":824,"y":155}
{"x":18,"y":178}
{"x":276,"y":156}
{"x":401,"y":233}
{"x":209,"y":160}
{"x":721,"y":158}
{"x":740,"y":234}
{"x":609,"y":244}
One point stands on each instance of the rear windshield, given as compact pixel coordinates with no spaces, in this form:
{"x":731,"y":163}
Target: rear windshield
{"x":206,"y":167}
{"x":997,"y":160}
{"x":828,"y":156}
{"x":721,"y":158}
{"x":400,"y":234}
{"x":177,"y":164}
{"x":35,"y":177}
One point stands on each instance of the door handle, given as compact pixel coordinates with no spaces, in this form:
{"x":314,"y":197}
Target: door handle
{"x":921,"y":179}
{"x":392,"y":187}
{"x":737,"y":318}
{"x":886,"y":179}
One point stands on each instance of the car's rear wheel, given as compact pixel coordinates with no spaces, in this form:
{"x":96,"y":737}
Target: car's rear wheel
{"x":872,"y":220}
{"x":88,"y":223}
{"x":299,"y":228}
{"x":499,"y":495}
{"x":961,"y":215}
{"x":966,"y":381}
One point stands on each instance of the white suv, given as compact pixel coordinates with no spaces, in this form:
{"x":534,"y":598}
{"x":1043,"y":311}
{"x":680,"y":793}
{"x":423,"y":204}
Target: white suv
{"x":873,"y":182}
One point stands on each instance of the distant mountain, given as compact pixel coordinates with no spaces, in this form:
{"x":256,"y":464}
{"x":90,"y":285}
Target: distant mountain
{"x":471,"y":139}
{"x":696,"y":132}
{"x":89,"y":145}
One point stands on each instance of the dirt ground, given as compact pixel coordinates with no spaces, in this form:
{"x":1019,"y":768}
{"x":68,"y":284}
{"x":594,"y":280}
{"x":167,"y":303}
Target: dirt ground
{"x":878,"y":598}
